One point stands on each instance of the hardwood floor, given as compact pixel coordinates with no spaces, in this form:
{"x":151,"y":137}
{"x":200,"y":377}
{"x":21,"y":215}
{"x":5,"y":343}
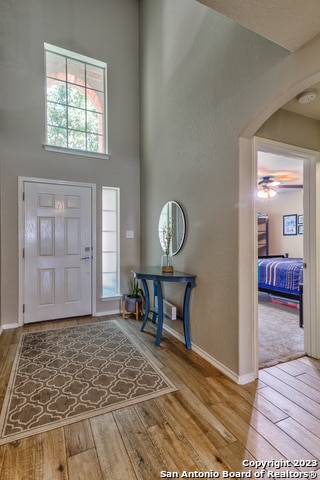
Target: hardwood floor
{"x":210,"y":424}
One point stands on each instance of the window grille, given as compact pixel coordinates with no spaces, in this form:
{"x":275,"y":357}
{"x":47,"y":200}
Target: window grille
{"x":75,"y":101}
{"x":110,"y":241}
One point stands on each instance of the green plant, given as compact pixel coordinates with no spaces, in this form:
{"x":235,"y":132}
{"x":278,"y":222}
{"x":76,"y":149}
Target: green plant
{"x":135,"y":290}
{"x":166,"y":236}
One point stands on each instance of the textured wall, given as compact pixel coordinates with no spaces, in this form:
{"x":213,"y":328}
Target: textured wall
{"x":286,"y":203}
{"x":201,"y":81}
{"x":103,"y":29}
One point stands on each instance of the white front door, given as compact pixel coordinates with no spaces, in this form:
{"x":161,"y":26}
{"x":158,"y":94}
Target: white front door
{"x":57,"y":251}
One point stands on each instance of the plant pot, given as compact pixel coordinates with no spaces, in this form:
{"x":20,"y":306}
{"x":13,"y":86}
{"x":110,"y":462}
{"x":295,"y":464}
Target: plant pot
{"x":130,"y":303}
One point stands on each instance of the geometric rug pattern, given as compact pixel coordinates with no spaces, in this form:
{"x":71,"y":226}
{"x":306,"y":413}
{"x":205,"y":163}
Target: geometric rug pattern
{"x":66,"y":375}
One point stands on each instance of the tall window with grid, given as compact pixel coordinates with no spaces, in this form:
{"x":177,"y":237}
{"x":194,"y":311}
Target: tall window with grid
{"x":110,"y":242}
{"x":75,"y":101}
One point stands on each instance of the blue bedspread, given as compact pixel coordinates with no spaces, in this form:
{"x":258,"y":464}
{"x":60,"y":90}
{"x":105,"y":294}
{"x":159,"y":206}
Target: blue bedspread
{"x":282,"y":273}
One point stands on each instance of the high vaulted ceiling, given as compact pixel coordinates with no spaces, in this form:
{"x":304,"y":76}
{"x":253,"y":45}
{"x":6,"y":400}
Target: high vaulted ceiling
{"x":288,"y":23}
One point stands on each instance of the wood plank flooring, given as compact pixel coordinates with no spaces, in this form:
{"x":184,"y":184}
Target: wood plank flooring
{"x":210,"y":424}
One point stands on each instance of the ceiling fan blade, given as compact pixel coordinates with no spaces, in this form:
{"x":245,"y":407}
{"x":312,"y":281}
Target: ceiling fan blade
{"x":265,"y":180}
{"x":290,"y":186}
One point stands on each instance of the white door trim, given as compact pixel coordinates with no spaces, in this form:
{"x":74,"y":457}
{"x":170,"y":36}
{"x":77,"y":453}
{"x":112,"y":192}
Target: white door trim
{"x":21,"y":223}
{"x":310,"y":158}
{"x":248,"y":334}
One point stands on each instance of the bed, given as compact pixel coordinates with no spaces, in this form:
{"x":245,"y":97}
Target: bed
{"x":283,"y":277}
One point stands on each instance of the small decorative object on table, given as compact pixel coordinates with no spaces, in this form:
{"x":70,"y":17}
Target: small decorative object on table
{"x":166,"y":237}
{"x":132,"y":304}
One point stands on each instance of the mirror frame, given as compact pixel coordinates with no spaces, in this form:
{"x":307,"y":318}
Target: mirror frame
{"x":165,"y":212}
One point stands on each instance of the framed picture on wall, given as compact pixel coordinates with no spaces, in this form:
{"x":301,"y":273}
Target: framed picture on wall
{"x":300,"y":219}
{"x":290,"y":224}
{"x":300,"y":229}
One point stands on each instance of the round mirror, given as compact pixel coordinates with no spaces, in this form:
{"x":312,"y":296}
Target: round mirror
{"x":172,"y":228}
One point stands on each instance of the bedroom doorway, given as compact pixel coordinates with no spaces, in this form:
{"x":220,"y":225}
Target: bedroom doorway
{"x":280,"y":256}
{"x":285,"y":170}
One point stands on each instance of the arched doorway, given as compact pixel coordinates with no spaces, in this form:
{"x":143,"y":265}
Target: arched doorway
{"x":248,"y":340}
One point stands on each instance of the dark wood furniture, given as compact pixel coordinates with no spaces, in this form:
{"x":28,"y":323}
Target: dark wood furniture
{"x":157,"y":277}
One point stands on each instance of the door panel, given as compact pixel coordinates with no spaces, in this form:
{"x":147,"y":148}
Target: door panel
{"x":58,"y":253}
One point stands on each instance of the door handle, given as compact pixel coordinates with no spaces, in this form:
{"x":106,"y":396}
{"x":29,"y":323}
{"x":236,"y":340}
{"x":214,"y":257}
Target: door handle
{"x":87,"y":257}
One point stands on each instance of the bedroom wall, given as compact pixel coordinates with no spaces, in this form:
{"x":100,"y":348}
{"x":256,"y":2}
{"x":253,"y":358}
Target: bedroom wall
{"x":293,"y":129}
{"x":103,"y":29}
{"x":290,"y":202}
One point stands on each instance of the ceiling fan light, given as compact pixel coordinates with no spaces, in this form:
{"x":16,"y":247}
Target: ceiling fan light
{"x":262,"y":194}
{"x":272,"y":193}
{"x":266,"y":192}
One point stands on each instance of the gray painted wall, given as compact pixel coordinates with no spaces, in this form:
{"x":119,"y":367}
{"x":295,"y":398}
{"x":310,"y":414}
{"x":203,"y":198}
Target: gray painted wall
{"x":202,"y":79}
{"x":103,"y":29}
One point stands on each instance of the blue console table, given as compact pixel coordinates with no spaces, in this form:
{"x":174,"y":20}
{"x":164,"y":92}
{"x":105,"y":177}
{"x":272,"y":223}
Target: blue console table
{"x":157,"y":276}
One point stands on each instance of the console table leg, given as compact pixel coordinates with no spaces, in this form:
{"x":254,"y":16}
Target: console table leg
{"x":155,"y":294}
{"x":186,"y":315}
{"x":158,"y":288}
{"x":147,"y":302}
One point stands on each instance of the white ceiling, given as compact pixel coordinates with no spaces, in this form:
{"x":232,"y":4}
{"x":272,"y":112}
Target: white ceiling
{"x":288,"y":23}
{"x":311,"y":110}
{"x":287,"y":170}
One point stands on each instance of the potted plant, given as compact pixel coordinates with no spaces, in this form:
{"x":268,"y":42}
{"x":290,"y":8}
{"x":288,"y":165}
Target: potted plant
{"x":133,"y":300}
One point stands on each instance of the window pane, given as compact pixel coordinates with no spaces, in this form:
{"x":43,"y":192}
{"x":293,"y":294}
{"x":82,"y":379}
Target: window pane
{"x":95,"y":77}
{"x":93,"y":143}
{"x":56,"y":66}
{"x":109,"y":262}
{"x":57,"y":114}
{"x":79,"y":83}
{"x":109,"y":199}
{"x":110,"y":236}
{"x":76,"y":140}
{"x":92,"y":122}
{"x":95,"y":101}
{"x":56,"y":91}
{"x":57,"y":136}
{"x":76,"y":72}
{"x":109,"y":284}
{"x":77,"y":96}
{"x":109,"y":221}
{"x":109,"y":241}
{"x":77,"y":119}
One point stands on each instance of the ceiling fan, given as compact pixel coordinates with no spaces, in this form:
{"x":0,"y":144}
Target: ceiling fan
{"x":267,"y":183}
{"x":278,"y":181}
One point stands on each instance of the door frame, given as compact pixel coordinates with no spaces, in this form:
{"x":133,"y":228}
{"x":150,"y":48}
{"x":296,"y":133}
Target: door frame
{"x":21,"y":236}
{"x":310,"y":159}
{"x":248,"y":302}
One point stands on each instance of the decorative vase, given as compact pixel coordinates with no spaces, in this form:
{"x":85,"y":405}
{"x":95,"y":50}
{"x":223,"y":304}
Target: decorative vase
{"x":166,"y":263}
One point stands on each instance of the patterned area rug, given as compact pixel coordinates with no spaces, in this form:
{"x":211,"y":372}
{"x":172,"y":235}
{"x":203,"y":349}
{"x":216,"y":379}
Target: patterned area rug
{"x":66,"y":375}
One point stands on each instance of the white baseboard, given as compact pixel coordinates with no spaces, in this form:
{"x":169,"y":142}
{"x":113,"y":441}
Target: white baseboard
{"x":249,"y":377}
{"x":109,"y":312}
{"x":240,"y":380}
{"x":6,"y":326}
